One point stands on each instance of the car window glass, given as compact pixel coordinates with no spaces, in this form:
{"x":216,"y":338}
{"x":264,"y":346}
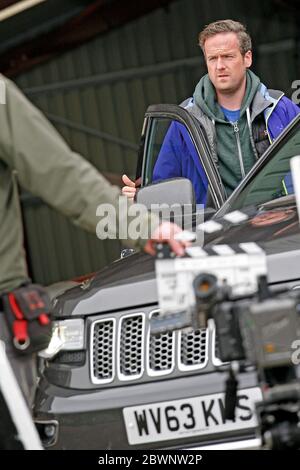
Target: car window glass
{"x":169,"y":148}
{"x":274,"y":178}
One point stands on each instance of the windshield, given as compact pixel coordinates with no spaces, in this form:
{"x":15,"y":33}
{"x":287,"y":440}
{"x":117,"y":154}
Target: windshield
{"x":273,"y":179}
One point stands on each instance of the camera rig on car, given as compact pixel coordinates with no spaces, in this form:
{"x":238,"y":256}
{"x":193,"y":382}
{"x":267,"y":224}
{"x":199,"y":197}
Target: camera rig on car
{"x":256,"y":328}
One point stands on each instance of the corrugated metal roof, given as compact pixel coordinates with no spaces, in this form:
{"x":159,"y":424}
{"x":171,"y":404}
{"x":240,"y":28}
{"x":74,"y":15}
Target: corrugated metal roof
{"x":110,"y":82}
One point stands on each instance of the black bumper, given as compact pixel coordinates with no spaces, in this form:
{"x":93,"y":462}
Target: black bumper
{"x":94,"y":419}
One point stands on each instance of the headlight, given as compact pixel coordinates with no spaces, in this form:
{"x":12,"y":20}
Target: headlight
{"x":67,"y":335}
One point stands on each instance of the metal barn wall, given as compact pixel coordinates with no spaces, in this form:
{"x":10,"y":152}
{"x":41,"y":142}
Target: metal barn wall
{"x":96,"y":96}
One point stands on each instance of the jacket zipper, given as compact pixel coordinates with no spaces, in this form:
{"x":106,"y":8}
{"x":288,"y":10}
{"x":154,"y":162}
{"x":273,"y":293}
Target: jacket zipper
{"x":237,"y":137}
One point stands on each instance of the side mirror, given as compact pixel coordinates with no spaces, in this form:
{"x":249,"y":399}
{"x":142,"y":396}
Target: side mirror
{"x":173,"y":200}
{"x":172,"y":191}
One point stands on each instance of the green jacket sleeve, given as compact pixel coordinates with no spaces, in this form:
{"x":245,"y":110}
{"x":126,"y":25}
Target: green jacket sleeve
{"x":46,"y":166}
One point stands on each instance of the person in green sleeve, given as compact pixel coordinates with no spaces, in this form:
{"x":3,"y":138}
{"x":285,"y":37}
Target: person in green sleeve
{"x":34,"y":156}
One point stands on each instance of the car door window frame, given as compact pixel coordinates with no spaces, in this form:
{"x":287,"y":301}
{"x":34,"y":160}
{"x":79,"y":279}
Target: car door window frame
{"x":196,"y":133}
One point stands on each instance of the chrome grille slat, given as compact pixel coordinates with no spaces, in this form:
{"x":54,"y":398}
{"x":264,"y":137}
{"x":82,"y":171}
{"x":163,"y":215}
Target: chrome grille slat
{"x":130,"y":346}
{"x":161,"y":354}
{"x":193,"y":349}
{"x":102,"y":354}
{"x":160,"y":351}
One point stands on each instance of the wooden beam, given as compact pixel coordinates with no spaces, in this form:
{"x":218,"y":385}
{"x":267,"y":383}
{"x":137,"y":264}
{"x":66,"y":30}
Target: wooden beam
{"x":7,"y":3}
{"x":98,"y":18}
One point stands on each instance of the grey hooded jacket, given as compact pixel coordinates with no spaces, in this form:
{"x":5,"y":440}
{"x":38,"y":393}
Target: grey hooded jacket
{"x":262,"y":106}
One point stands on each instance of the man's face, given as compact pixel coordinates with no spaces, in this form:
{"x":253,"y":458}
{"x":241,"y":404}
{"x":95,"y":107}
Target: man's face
{"x":225,"y":63}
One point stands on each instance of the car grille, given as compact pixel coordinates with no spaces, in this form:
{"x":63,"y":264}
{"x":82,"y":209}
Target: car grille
{"x":123,"y":349}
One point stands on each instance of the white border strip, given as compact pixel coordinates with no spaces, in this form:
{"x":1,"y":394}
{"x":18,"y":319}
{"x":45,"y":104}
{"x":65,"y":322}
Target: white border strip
{"x":16,"y":404}
{"x":210,"y":226}
{"x":236,"y":217}
{"x":251,"y":248}
{"x":195,"y":251}
{"x":18,"y":7}
{"x":295,"y":167}
{"x":223,"y":250}
{"x":249,"y":444}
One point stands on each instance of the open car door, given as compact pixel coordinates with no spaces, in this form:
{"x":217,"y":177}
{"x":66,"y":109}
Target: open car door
{"x":174,"y":145}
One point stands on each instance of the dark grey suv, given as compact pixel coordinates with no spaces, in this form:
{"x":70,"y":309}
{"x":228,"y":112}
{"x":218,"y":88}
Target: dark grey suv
{"x":113,"y":385}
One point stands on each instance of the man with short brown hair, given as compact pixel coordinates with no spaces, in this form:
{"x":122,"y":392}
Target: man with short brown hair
{"x":227,"y":26}
{"x":240,"y":115}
